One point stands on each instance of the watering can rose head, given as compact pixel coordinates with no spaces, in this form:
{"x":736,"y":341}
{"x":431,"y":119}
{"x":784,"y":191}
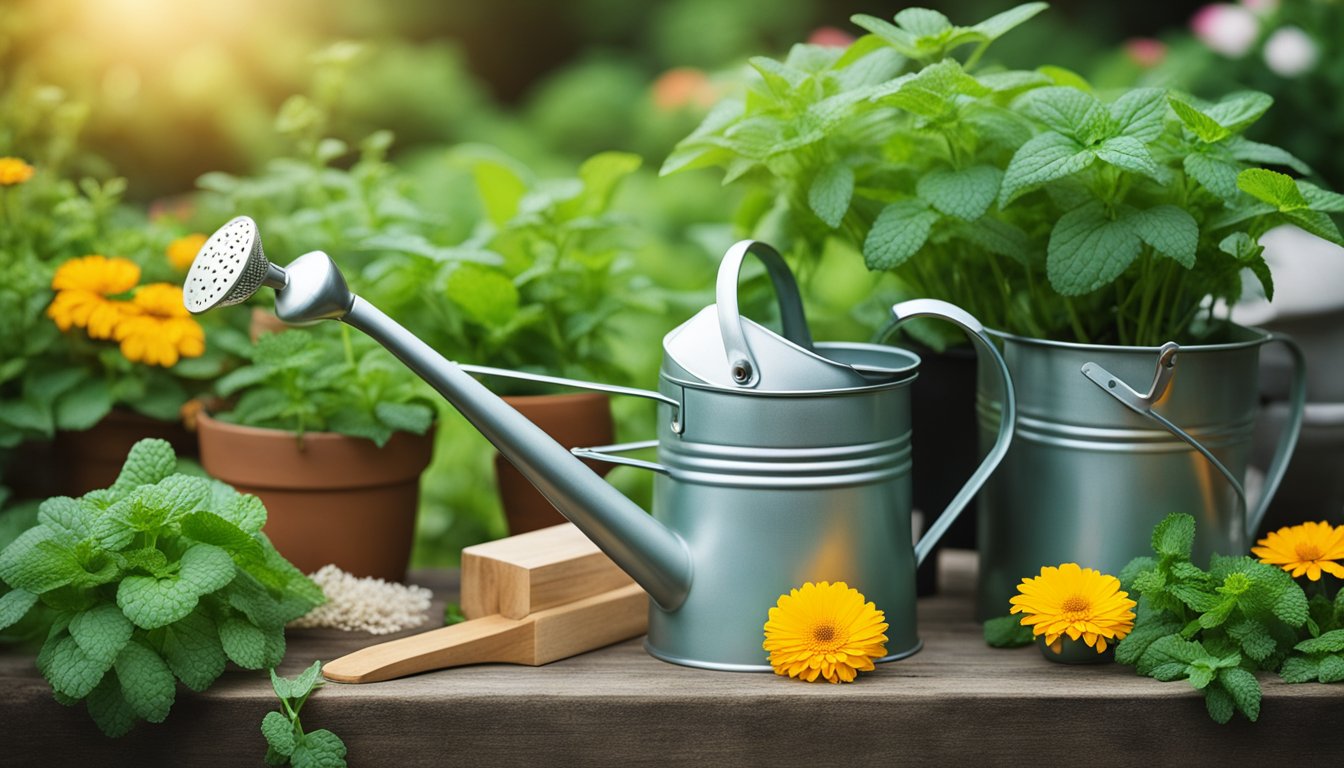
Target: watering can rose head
{"x":1077,"y":603}
{"x":824,"y":632}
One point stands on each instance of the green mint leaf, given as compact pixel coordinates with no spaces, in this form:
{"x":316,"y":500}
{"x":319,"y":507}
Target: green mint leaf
{"x":1064,"y":77}
{"x":1205,"y":128}
{"x":1240,"y":246}
{"x":242,"y":378}
{"x":1066,"y":110}
{"x":1214,"y":172}
{"x":109,"y":709}
{"x":1300,"y":669}
{"x":1174,"y":536}
{"x":1171,"y":231}
{"x":1172,"y":649}
{"x":146,"y":682}
{"x":415,"y":418}
{"x":602,"y":175}
{"x":193,"y":652}
{"x":1139,"y":114}
{"x":209,"y":528}
{"x":151,"y":602}
{"x":831,"y":192}
{"x":1254,"y":638}
{"x":69,"y":669}
{"x":1277,"y":189}
{"x":101,"y":632}
{"x":307,"y":681}
{"x":275,"y":758}
{"x":151,"y":560}
{"x":1088,"y":250}
{"x":1201,"y":675}
{"x":923,"y":22}
{"x":1332,"y":669}
{"x":1245,"y":691}
{"x":904,"y":42}
{"x":1000,"y":24}
{"x":1330,"y":642}
{"x":206,"y":568}
{"x":283,"y":687}
{"x":1238,"y":110}
{"x":1007,"y":632}
{"x":1219,"y":703}
{"x":28,"y":415}
{"x":243,"y":643}
{"x":37,"y":563}
{"x":62,"y":513}
{"x":501,"y":188}
{"x":1046,"y":157}
{"x":1170,"y":671}
{"x":898,"y":233}
{"x":14,"y":605}
{"x":487,"y":296}
{"x":1315,"y":222}
{"x":1129,"y":154}
{"x":83,"y":406}
{"x":1321,"y":199}
{"x":1132,"y":648}
{"x":780,"y":79}
{"x":149,"y":461}
{"x":178,"y":495}
{"x":319,"y":749}
{"x":245,"y":511}
{"x":1291,"y":606}
{"x":1133,"y":568}
{"x":965,"y":194}
{"x":995,"y":236}
{"x":1255,"y":152}
{"x":279,"y":733}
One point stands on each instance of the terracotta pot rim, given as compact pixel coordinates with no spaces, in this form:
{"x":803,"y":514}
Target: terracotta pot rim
{"x":203,"y":418}
{"x":557,"y":398}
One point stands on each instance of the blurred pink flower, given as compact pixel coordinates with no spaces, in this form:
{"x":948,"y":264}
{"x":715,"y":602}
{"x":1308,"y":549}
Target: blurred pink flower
{"x":683,"y":87}
{"x":1227,"y":29}
{"x":830,"y":37}
{"x":1145,"y":51}
{"x":1290,"y":52}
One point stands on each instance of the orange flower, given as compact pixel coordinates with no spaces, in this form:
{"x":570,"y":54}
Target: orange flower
{"x":683,"y":87}
{"x":83,"y":286}
{"x":161,"y":331}
{"x":1308,"y":548}
{"x":183,"y":250}
{"x":14,"y":171}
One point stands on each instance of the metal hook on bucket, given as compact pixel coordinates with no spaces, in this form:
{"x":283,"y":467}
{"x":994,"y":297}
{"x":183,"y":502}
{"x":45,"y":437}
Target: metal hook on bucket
{"x":1143,"y":405}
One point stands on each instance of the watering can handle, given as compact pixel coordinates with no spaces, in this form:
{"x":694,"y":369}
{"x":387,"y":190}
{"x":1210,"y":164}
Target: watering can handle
{"x":984,"y":351}
{"x":1283,"y":453}
{"x":740,"y":360}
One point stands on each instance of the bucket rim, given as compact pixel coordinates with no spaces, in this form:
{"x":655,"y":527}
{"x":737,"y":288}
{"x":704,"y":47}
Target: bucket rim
{"x":1253,"y":337}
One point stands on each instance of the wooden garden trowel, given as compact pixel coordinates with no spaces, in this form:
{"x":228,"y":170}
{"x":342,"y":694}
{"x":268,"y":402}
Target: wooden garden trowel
{"x":530,"y":599}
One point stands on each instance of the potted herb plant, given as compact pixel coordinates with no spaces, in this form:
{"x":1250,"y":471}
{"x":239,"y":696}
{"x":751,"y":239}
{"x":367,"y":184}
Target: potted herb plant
{"x":1089,"y":229}
{"x":332,"y":435}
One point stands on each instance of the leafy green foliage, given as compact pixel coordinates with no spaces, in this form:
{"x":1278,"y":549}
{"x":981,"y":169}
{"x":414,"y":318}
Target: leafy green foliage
{"x":1022,"y":196}
{"x":286,"y":741}
{"x":326,"y":379}
{"x":162,"y":577}
{"x":1007,"y":632}
{"x":1215,"y":628}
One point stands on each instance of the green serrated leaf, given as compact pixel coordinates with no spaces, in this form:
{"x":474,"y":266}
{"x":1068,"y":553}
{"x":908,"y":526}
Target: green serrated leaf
{"x":83,"y":406}
{"x":1239,"y":110}
{"x":37,"y":563}
{"x":1214,"y":173}
{"x":1300,"y":669}
{"x":209,"y":528}
{"x":244,"y":643}
{"x":1067,"y":111}
{"x":998,"y":25}
{"x":63,"y":513}
{"x":1330,"y":642}
{"x":206,"y":568}
{"x":1007,"y":632}
{"x":1277,"y":189}
{"x":1255,"y":152}
{"x":1200,"y":676}
{"x":898,"y":233}
{"x":1129,"y":154}
{"x":1254,"y":638}
{"x":149,"y":461}
{"x":319,"y":749}
{"x":1171,"y":231}
{"x":1317,"y":223}
{"x":1245,"y":691}
{"x":415,"y":418}
{"x":966,"y":194}
{"x":485,"y":295}
{"x":192,"y":649}
{"x":101,"y":632}
{"x":1219,"y":703}
{"x":1174,"y":536}
{"x":146,"y":682}
{"x":1139,"y":114}
{"x":69,"y":669}
{"x":1291,"y":606}
{"x":307,"y":681}
{"x":1205,"y":128}
{"x":831,"y":192}
{"x":279,"y":733}
{"x":109,"y":709}
{"x":14,"y":605}
{"x":1088,"y":250}
{"x":1331,"y":669}
{"x":151,"y":602}
{"x":1046,"y":157}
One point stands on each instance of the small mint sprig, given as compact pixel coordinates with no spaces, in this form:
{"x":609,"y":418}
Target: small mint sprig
{"x":287,"y":743}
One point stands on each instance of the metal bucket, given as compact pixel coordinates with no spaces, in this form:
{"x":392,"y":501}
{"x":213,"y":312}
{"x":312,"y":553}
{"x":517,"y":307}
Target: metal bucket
{"x":1097,"y":463}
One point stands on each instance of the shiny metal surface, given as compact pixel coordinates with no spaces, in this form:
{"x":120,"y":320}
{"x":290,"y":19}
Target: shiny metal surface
{"x":1088,"y":477}
{"x":229,"y":268}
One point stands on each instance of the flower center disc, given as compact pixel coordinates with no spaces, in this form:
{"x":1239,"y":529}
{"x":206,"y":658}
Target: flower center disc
{"x":824,"y":633}
{"x":1307,"y":551}
{"x":1075,"y":604}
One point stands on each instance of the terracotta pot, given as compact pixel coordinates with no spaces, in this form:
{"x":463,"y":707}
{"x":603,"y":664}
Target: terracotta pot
{"x":579,"y":419}
{"x":329,"y":498}
{"x":93,"y":458}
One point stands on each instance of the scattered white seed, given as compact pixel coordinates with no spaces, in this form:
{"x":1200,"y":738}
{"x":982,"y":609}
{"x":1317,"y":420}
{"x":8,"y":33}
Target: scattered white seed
{"x":365,"y":604}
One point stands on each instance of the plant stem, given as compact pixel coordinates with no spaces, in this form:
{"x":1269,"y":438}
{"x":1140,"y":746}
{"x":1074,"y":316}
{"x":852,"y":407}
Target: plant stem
{"x":1075,"y":322}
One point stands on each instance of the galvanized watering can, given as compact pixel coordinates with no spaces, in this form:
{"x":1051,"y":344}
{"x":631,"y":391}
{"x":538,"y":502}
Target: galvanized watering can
{"x":780,"y":461}
{"x":1102,"y":455}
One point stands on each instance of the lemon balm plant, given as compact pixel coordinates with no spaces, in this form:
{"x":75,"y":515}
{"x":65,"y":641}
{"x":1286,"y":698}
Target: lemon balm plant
{"x":1045,"y":208}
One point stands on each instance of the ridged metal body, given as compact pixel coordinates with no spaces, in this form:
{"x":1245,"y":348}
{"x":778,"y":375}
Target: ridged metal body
{"x":1087,"y":479}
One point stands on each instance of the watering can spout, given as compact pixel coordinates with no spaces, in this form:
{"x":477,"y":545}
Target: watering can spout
{"x":311,"y":288}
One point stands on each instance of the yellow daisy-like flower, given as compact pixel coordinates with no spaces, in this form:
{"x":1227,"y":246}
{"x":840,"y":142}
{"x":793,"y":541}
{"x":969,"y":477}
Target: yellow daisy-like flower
{"x":1075,"y":602}
{"x":824,"y":631}
{"x":183,"y":250}
{"x":1307,"y":548}
{"x":161,"y":331}
{"x":14,"y":171}
{"x":83,"y":286}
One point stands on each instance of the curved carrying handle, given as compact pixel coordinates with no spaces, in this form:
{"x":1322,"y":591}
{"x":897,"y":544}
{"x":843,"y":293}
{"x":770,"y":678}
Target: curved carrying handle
{"x":1143,"y":405}
{"x":740,"y":360}
{"x":985,"y":352}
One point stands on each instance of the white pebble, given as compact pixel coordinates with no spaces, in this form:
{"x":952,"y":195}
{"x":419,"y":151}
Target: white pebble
{"x":365,"y":604}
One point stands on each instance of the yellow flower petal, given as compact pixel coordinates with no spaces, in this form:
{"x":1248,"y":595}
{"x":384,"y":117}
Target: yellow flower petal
{"x":824,"y":631}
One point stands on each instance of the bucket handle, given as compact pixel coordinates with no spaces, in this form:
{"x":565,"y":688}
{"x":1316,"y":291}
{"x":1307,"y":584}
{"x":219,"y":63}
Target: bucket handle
{"x":984,"y":351}
{"x":741,"y":363}
{"x":1166,"y":367}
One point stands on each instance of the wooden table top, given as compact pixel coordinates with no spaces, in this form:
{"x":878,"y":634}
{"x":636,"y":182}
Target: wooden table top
{"x":955,"y":702}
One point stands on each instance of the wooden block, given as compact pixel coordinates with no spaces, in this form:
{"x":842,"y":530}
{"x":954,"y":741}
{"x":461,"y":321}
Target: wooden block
{"x":545,"y":636}
{"x":531,"y":572}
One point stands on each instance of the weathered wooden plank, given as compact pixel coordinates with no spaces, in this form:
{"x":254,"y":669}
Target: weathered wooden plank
{"x":953,"y":703}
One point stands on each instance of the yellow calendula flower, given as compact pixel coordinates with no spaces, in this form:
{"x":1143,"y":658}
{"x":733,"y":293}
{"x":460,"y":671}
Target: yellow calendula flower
{"x":183,"y":250}
{"x":1075,"y":602}
{"x":83,"y":286}
{"x":1307,"y":548}
{"x":161,"y":331}
{"x":14,"y":171}
{"x":824,"y":631}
